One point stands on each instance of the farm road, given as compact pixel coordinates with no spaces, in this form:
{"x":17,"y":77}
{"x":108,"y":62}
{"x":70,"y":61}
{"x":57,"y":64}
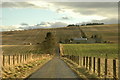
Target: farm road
{"x":55,"y":68}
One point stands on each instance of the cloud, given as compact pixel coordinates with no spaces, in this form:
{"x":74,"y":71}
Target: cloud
{"x":26,"y":4}
{"x":37,"y":26}
{"x":58,"y":24}
{"x":9,"y":28}
{"x":90,"y":8}
{"x":17,"y":5}
{"x":73,"y":10}
{"x":107,"y":21}
{"x":66,"y":18}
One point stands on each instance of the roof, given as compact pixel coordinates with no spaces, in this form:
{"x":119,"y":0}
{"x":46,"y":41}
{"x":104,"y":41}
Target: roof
{"x":80,"y":39}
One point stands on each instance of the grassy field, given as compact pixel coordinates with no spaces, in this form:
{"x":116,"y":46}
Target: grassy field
{"x":109,"y":33}
{"x":94,"y":50}
{"x":21,"y":49}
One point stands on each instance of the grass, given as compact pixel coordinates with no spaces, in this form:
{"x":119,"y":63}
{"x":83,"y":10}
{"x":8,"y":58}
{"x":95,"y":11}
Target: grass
{"x":24,"y":70}
{"x":21,"y":49}
{"x":109,"y":33}
{"x":94,"y":50}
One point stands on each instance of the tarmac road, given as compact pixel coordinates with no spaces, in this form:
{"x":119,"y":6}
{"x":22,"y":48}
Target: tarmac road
{"x":55,"y":68}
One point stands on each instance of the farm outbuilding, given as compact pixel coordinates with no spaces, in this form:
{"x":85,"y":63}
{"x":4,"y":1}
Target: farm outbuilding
{"x":27,"y":43}
{"x":79,"y":40}
{"x":83,"y":40}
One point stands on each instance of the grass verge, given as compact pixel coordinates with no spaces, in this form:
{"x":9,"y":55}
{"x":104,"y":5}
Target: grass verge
{"x":23,"y":71}
{"x":81,"y":72}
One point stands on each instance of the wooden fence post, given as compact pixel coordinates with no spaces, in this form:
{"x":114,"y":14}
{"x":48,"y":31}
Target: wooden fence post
{"x":21,"y":59}
{"x":90,"y":62}
{"x":94,"y":64}
{"x":79,"y":60}
{"x":13,"y":59}
{"x":114,"y":68}
{"x":98,"y":70}
{"x":105,"y":67}
{"x":9,"y":60}
{"x":3,"y":60}
{"x":119,"y":66}
{"x":18,"y":59}
{"x":86,"y":62}
{"x":72,"y":57}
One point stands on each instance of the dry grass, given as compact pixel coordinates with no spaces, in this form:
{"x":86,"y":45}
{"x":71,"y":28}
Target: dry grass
{"x":109,"y":33}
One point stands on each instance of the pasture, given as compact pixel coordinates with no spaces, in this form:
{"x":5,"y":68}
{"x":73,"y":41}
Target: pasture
{"x":94,"y":50}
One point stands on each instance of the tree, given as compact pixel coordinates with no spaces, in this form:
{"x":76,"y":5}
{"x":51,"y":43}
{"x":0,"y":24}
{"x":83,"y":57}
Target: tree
{"x":49,"y":44}
{"x":98,"y":38}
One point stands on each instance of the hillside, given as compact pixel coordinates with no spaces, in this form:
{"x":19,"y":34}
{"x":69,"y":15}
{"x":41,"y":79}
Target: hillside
{"x":109,"y":32}
{"x":37,"y":35}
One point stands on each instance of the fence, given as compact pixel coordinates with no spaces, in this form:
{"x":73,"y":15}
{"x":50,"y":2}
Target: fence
{"x":103,"y":67}
{"x":16,"y":59}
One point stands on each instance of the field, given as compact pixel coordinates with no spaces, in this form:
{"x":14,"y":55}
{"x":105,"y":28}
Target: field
{"x":94,"y":50}
{"x":108,"y":32}
{"x":20,"y":49}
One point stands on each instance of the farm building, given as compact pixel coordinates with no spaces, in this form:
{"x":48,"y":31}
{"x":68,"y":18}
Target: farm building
{"x":79,"y":40}
{"x":27,"y":43}
{"x":82,"y":40}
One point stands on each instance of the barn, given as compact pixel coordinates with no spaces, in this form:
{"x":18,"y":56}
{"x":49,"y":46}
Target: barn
{"x":79,"y":40}
{"x":82,"y":40}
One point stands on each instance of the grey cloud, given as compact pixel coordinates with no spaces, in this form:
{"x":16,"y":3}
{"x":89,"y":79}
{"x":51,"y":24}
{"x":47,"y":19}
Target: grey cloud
{"x":107,"y":21}
{"x":88,"y":4}
{"x":16,"y":4}
{"x":41,"y":25}
{"x":58,"y":24}
{"x":66,"y":18}
{"x":91,"y":8}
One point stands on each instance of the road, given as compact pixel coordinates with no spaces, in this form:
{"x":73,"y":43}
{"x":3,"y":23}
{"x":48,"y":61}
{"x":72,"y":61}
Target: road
{"x":55,"y":68}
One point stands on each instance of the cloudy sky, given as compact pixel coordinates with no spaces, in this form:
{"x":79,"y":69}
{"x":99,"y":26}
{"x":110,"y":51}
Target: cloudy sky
{"x":43,"y":14}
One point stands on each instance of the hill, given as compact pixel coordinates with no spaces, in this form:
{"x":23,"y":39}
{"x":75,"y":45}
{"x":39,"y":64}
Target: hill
{"x":109,"y":32}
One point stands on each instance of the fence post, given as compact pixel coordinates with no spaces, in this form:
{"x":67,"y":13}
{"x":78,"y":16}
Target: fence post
{"x":119,"y":66}
{"x":90,"y":62}
{"x":3,"y":60}
{"x":79,"y":61}
{"x":23,"y":58}
{"x":13,"y":59}
{"x":9,"y":59}
{"x":105,"y":67}
{"x":94,"y":64}
{"x":114,"y":68}
{"x":98,"y":70}
{"x":72,"y":57}
{"x":86,"y":62}
{"x":18,"y":59}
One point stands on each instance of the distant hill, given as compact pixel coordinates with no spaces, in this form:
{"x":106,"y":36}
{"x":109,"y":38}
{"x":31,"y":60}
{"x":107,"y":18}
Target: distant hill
{"x":35,"y":36}
{"x":108,"y":32}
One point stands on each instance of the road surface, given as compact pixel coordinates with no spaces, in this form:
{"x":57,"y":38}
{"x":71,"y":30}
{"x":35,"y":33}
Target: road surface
{"x":55,"y":68}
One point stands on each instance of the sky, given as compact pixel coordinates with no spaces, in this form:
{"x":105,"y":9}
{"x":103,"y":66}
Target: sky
{"x":42,"y":14}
